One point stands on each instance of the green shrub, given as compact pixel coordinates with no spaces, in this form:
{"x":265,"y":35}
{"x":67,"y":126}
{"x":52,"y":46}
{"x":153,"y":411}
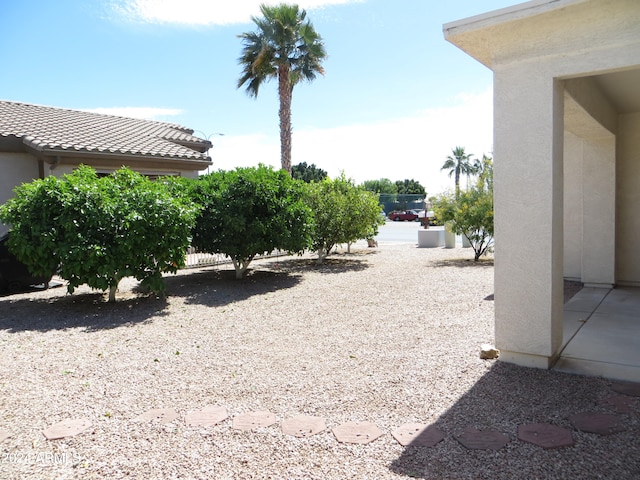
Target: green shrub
{"x":343,"y":213}
{"x":250,"y":211}
{"x":96,"y":231}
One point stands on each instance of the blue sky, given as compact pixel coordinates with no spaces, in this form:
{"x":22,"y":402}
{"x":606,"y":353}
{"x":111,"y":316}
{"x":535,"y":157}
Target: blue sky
{"x":395,"y":99}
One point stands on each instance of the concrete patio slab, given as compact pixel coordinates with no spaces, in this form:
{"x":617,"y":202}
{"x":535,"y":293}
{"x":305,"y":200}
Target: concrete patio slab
{"x":621,"y":300}
{"x":603,"y":331}
{"x":606,"y":341}
{"x":598,"y":368}
{"x":587,"y":299}
{"x":572,"y":322}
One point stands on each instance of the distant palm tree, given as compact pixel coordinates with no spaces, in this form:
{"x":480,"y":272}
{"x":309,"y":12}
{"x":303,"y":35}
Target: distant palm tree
{"x":284,"y":47}
{"x":459,"y":164}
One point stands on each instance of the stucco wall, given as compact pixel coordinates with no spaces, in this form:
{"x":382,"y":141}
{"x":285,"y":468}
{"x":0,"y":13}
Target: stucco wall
{"x":528,"y":192}
{"x":535,"y":50}
{"x":16,"y":168}
{"x":628,"y":200}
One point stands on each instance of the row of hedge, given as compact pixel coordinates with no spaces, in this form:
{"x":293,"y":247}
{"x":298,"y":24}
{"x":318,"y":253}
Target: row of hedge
{"x":97,"y":230}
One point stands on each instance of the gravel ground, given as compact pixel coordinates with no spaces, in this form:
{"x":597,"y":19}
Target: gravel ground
{"x":389,"y":335}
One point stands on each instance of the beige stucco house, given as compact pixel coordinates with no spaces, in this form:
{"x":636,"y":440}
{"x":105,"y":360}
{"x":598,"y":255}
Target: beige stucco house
{"x":566,"y":156}
{"x":36,"y":141}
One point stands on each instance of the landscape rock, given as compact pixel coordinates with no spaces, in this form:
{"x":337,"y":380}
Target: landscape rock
{"x":488,"y":352}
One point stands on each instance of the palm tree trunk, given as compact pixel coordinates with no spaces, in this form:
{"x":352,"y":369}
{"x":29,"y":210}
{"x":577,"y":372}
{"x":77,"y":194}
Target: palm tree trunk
{"x":285,"y":93}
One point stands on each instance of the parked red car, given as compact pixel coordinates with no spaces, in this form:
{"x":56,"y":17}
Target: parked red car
{"x":409,"y":215}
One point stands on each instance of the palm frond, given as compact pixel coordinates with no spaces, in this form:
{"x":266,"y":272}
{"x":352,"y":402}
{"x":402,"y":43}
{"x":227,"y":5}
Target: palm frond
{"x":283,"y":36}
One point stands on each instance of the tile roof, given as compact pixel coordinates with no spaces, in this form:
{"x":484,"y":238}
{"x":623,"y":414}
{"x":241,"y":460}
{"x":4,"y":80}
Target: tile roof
{"x":56,"y":131}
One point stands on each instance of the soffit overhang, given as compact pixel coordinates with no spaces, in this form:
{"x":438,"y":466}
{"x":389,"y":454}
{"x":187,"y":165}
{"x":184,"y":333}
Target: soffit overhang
{"x":545,"y":31}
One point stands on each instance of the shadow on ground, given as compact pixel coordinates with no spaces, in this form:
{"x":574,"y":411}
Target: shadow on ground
{"x":92,"y":312}
{"x":508,"y":396}
{"x":214,"y":288}
{"x":209,"y":287}
{"x":464,"y":263}
{"x":88,"y":310}
{"x":333,"y":264}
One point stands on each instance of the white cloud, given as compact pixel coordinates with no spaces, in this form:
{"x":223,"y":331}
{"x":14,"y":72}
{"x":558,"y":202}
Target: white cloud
{"x":203,"y":12}
{"x":233,"y":151}
{"x":412,"y":147}
{"x":145,"y":113}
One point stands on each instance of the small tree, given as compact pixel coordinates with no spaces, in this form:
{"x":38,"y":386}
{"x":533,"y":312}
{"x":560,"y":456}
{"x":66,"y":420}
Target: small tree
{"x":365,"y":215}
{"x":96,"y":231}
{"x":470,"y":213}
{"x":250,"y":211}
{"x":343,"y":213}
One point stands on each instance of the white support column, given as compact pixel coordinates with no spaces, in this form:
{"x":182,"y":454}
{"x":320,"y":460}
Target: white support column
{"x":599,"y":212}
{"x":528,"y":183}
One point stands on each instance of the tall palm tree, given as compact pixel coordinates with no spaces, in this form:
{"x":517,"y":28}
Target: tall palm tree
{"x":459,"y":164}
{"x":285,"y":47}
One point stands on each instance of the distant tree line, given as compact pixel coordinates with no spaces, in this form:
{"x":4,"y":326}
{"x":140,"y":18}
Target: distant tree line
{"x":400,"y":187}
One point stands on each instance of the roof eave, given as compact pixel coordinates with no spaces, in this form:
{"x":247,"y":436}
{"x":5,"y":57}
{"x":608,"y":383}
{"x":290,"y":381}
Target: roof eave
{"x":469,"y":35}
{"x":199,"y":146}
{"x":117,"y":160}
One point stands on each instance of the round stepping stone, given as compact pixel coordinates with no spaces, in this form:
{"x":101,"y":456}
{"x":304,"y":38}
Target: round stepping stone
{"x":600,"y":423}
{"x":206,"y":417}
{"x":618,"y":403}
{"x":545,"y":435}
{"x":626,"y":388}
{"x":475,"y":439}
{"x":66,"y":428}
{"x":303,"y":426}
{"x":357,"y":432}
{"x":4,"y":435}
{"x":162,"y":415}
{"x":250,"y":420}
{"x":417,"y":435}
